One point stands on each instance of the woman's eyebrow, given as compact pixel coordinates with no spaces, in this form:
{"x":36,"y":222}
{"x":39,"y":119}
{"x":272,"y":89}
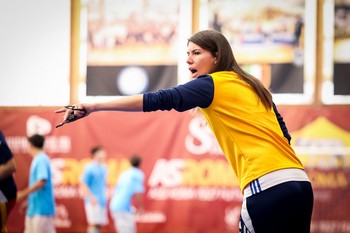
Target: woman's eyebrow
{"x":194,"y":50}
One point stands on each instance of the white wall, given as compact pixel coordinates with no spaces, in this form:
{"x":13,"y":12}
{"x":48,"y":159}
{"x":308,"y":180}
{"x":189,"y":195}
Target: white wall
{"x":34,"y":52}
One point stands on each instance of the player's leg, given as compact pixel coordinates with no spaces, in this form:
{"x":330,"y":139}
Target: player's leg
{"x":5,"y":210}
{"x":3,"y":216}
{"x":124,"y":222}
{"x":28,"y":225}
{"x":97,"y":217}
{"x":43,"y":224}
{"x":90,"y":212}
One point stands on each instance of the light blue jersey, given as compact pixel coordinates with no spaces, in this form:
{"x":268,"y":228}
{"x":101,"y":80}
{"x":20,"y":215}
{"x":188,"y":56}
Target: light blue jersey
{"x":95,"y":177}
{"x":130,"y":182}
{"x":41,"y":202}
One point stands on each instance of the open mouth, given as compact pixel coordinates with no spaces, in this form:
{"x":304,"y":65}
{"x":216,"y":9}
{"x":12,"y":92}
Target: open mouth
{"x":193,"y":71}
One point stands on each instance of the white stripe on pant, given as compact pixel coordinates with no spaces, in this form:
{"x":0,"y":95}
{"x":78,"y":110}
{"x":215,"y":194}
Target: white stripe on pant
{"x":245,"y":223}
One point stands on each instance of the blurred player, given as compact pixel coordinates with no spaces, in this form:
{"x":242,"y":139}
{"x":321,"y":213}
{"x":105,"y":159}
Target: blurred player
{"x":93,"y":186}
{"x":8,"y":188}
{"x":129,"y":188}
{"x":40,"y":214}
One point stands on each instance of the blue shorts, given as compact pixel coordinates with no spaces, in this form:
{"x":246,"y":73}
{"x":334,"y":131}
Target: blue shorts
{"x":286,"y":207}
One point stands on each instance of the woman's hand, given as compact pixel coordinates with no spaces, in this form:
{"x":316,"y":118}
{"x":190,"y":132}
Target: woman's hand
{"x":74,"y":112}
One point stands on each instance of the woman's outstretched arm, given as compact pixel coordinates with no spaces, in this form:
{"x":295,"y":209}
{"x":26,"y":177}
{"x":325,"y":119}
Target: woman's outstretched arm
{"x":79,"y":110}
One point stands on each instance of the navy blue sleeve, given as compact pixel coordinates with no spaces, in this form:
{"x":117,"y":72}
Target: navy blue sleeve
{"x":282,"y":124}
{"x":5,"y":153}
{"x":196,"y":93}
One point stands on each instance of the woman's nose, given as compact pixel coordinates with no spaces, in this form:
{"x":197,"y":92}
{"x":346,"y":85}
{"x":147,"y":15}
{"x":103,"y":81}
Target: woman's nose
{"x":189,"y":60}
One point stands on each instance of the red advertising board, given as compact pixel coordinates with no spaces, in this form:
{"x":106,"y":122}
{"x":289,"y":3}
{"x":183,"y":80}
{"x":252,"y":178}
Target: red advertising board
{"x":190,"y":187}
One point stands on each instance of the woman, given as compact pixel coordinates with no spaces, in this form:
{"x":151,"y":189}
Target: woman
{"x":277,"y":193}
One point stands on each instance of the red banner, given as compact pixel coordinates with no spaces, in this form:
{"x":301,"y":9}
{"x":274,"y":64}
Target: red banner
{"x":189,"y":185}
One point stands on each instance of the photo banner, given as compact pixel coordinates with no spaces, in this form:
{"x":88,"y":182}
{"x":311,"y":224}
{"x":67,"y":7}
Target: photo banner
{"x":271,"y":40}
{"x":341,"y":67}
{"x":132,"y":46}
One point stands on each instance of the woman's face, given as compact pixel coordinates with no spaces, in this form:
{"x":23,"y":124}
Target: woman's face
{"x":199,"y":60}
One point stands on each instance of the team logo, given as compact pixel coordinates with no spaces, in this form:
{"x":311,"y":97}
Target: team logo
{"x":38,"y":125}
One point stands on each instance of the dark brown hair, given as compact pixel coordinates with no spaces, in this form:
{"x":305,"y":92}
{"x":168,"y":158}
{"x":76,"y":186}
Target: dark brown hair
{"x":95,"y":149}
{"x":37,"y":141}
{"x":135,"y":160}
{"x":219,"y":47}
